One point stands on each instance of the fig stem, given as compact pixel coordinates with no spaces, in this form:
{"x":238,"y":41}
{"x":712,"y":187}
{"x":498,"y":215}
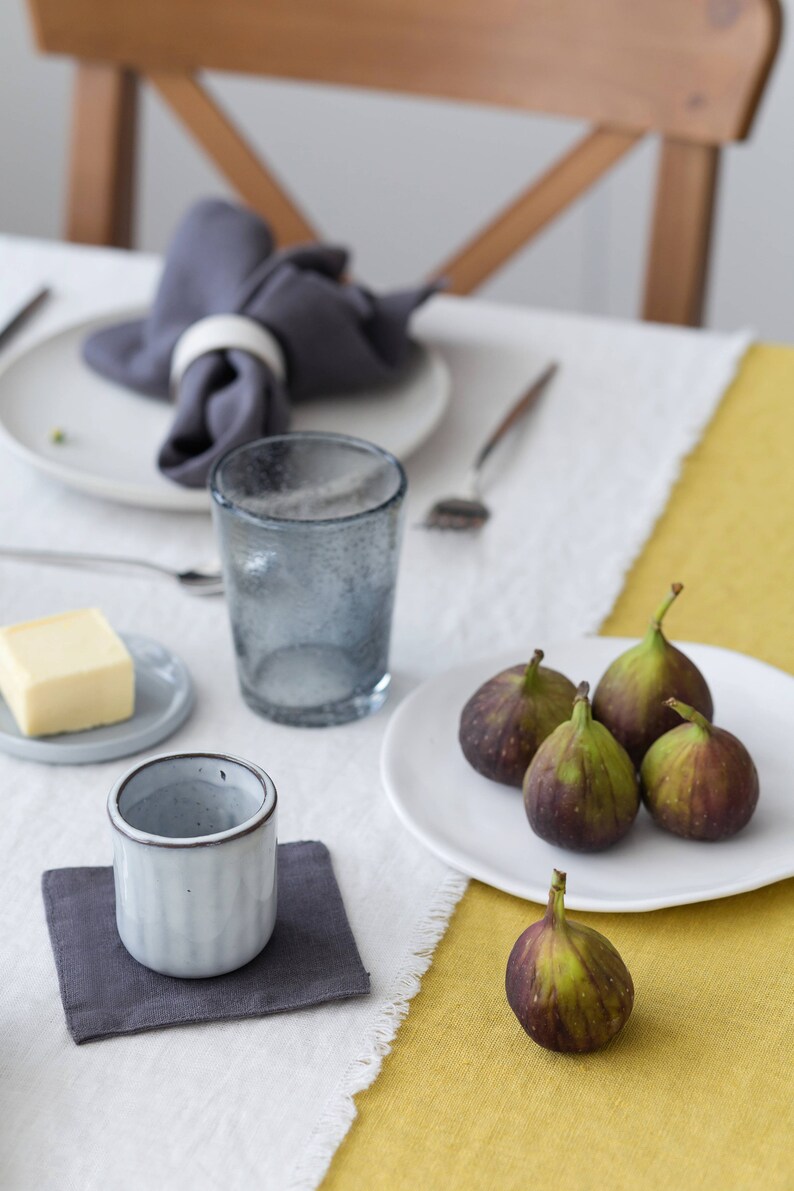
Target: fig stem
{"x":582,"y":714}
{"x":531,"y":671}
{"x":659,"y":614}
{"x":555,"y":911}
{"x":690,"y":713}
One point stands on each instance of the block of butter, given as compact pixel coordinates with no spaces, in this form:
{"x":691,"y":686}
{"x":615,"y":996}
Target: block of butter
{"x":65,"y":673}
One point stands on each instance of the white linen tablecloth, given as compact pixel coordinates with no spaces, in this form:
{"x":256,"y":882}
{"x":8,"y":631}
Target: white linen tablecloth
{"x":265,"y":1103}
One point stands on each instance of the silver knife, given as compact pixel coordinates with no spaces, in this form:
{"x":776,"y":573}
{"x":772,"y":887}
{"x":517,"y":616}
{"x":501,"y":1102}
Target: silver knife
{"x":26,"y":312}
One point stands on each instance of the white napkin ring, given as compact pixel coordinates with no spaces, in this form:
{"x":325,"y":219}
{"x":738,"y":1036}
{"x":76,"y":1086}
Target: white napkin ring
{"x":220,"y":332}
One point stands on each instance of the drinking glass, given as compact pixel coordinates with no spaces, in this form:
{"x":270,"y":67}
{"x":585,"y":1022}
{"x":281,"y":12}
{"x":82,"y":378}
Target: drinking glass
{"x":309,"y":526}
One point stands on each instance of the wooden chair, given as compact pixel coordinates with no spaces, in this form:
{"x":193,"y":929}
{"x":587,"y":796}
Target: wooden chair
{"x":690,"y":70}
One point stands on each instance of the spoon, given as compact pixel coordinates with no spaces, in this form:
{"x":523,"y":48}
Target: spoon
{"x":469,"y":512}
{"x":198,"y":580}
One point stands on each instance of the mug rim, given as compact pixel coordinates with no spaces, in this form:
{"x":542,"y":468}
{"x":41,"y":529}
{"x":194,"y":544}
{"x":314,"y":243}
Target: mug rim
{"x":225,"y":502}
{"x":261,"y":816}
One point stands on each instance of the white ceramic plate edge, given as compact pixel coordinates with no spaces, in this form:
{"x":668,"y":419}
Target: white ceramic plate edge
{"x":174,"y":497}
{"x":181,"y":500}
{"x":184,"y":500}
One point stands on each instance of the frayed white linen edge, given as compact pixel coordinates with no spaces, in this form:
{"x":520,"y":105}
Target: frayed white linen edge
{"x":340,"y":1111}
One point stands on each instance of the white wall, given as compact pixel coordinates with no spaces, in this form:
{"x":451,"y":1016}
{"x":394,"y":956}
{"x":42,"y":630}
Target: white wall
{"x":401,"y":181}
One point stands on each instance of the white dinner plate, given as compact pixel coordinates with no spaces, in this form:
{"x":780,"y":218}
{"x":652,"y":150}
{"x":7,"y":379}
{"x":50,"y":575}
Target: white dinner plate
{"x":480,"y":827}
{"x":112,"y":435}
{"x":163,"y":701}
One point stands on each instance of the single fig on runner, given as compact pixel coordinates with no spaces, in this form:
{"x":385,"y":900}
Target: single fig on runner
{"x":566,"y":983}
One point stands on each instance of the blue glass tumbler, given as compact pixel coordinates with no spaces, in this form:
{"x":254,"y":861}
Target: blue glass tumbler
{"x":309,"y":526}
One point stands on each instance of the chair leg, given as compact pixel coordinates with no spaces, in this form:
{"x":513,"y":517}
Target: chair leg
{"x":675,"y":283}
{"x":101,"y":181}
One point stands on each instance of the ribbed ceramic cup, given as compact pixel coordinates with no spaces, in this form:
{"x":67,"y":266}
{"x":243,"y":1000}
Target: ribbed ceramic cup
{"x":194,"y":862}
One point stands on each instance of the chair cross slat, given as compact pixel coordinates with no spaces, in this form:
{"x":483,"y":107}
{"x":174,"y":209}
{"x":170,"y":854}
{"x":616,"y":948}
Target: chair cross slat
{"x":542,"y":202}
{"x":233,"y":156}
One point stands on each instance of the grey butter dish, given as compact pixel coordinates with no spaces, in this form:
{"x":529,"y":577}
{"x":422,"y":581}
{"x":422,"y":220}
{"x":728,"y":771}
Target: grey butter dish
{"x":163,"y":700}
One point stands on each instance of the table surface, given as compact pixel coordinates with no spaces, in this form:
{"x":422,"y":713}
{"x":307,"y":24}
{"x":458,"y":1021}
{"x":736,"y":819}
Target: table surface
{"x":697,"y":1090}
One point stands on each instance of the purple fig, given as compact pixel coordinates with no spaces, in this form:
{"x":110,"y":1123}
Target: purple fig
{"x":629,"y":699}
{"x":699,"y":781}
{"x":580,"y":790}
{"x":566,"y":983}
{"x":506,"y":719}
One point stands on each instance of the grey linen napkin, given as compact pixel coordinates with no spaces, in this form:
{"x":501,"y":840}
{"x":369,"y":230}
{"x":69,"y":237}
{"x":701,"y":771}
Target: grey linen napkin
{"x":335,"y":336}
{"x":311,"y":957}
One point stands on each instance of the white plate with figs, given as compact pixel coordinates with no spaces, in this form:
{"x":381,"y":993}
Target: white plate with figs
{"x":480,"y":827}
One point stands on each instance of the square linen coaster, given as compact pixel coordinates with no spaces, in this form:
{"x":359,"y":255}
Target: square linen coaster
{"x":311,"y":958}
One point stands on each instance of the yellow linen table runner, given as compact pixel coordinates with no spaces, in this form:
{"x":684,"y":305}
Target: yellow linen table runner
{"x":697,"y":1091}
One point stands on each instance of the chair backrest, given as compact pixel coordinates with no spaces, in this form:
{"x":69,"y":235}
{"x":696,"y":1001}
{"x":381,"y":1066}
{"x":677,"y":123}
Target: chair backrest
{"x":692,"y":71}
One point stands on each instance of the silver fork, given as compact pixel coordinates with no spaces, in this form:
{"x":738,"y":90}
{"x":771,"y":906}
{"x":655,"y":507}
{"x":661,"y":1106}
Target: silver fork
{"x":469,"y":511}
{"x":198,"y":581}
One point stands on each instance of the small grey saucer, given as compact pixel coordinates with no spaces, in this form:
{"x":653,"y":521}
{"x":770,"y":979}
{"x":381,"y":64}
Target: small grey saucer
{"x":163,"y":701}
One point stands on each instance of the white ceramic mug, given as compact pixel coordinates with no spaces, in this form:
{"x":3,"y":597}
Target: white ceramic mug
{"x":194,"y":862}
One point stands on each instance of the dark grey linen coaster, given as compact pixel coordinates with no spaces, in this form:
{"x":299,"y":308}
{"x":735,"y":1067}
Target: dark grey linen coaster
{"x":311,"y":958}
